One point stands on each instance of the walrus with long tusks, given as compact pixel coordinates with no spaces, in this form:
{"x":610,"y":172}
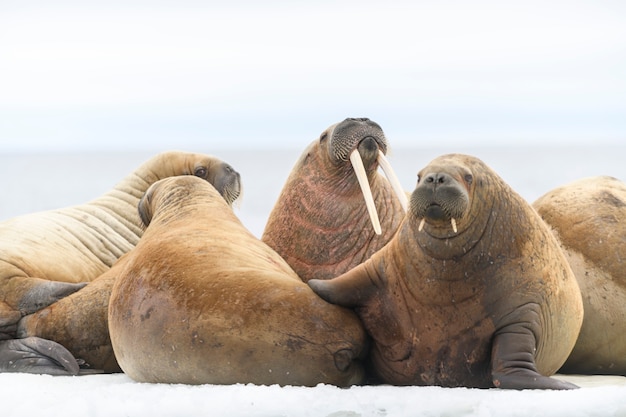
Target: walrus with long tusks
{"x":201,"y":300}
{"x":49,"y":255}
{"x":335,"y":209}
{"x":588,"y":217}
{"x":473,"y":290}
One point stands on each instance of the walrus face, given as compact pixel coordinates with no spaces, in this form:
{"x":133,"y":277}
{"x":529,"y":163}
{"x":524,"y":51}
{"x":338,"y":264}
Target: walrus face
{"x":223,"y":177}
{"x":441,"y":196}
{"x":363,"y":142}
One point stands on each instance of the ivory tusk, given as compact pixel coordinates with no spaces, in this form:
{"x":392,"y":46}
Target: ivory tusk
{"x":359,"y":170}
{"x":393,"y":179}
{"x":453,"y":224}
{"x":419,"y":229}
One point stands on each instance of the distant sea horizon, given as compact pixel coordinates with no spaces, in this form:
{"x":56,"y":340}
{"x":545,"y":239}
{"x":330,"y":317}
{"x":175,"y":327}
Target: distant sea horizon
{"x":35,"y":181}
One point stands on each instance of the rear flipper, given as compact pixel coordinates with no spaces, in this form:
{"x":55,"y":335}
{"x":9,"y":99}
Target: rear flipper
{"x":34,"y":355}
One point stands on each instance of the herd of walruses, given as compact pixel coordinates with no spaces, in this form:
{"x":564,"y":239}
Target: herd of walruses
{"x":458,"y":283}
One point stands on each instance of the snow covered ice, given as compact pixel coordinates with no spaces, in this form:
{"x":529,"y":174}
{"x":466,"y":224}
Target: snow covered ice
{"x":118,"y":395}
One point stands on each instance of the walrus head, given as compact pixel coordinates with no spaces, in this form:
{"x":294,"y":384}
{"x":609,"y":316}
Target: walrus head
{"x":363,"y":142}
{"x":224,"y":178}
{"x":441,"y":196}
{"x":455,"y":198}
{"x":218,"y":173}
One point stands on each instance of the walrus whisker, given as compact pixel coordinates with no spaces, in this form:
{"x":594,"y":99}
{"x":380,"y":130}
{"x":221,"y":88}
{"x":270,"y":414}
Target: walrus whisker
{"x":419,"y":229}
{"x":359,"y":170}
{"x":393,"y":179}
{"x":453,"y":222}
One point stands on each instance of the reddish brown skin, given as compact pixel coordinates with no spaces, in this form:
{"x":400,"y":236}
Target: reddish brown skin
{"x":494,"y":304}
{"x":201,"y":300}
{"x":78,"y":322}
{"x":319,"y":223}
{"x":588,"y":217}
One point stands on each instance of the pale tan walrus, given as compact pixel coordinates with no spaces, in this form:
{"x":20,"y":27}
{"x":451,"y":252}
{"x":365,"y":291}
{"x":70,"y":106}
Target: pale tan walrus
{"x":203,"y":301}
{"x":588,"y":217}
{"x":473,"y":290}
{"x":46,"y":256}
{"x":335,"y":209}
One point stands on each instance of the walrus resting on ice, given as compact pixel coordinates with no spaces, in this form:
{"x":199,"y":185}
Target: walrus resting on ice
{"x":201,"y":300}
{"x":588,"y":217}
{"x":48,"y":255}
{"x":320,"y":223}
{"x":473,"y":290}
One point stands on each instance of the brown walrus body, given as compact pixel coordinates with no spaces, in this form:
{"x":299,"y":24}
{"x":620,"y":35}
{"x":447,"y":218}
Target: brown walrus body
{"x":79,"y":323}
{"x":201,"y":300}
{"x":46,"y":256}
{"x":320,"y":224}
{"x":472,"y":291}
{"x":588,"y":217}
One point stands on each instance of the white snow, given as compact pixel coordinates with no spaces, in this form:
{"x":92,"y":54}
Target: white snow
{"x":118,"y":395}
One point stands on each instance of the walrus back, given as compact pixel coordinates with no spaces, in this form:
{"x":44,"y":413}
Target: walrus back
{"x":74,"y":244}
{"x":201,"y":300}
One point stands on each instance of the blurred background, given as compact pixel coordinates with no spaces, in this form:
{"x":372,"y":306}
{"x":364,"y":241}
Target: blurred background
{"x":152,"y":75}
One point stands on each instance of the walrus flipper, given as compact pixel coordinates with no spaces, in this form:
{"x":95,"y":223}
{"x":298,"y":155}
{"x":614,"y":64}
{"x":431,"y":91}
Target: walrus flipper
{"x":351,"y":289}
{"x":35,"y":355}
{"x":513,"y":364}
{"x":41,"y":293}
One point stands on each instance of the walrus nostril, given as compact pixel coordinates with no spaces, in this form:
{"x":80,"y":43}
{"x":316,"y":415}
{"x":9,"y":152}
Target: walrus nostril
{"x":436,"y":178}
{"x":343,"y":359}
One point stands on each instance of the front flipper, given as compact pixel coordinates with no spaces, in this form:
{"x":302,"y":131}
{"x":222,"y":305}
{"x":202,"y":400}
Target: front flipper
{"x":351,"y":289}
{"x":32,"y":294}
{"x":513,"y":362}
{"x":34,"y":355}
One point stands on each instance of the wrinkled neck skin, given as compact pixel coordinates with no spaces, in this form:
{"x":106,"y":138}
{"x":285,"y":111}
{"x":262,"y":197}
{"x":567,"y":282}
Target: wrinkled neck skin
{"x":440,"y":242}
{"x":182,"y":200}
{"x":457,"y":265}
{"x":329,"y":227}
{"x":122,"y":200}
{"x":485,"y":217}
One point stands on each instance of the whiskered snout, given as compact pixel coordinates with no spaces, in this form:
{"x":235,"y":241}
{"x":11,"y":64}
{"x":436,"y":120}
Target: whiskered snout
{"x":439,"y":197}
{"x":228,"y":183}
{"x":363,"y":142}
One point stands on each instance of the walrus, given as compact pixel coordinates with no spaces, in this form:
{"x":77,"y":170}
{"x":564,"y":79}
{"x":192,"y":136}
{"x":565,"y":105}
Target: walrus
{"x":49,"y":255}
{"x":588,"y":217}
{"x":201,"y":300}
{"x":319,"y":223}
{"x":472,"y":291}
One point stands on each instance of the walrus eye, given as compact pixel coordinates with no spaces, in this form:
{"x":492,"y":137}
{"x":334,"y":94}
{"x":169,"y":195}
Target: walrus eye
{"x":200,"y":172}
{"x":469,"y":179}
{"x":323,"y":136}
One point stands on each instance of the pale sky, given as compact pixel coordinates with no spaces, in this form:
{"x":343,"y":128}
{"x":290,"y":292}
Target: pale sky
{"x":116,"y":75}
